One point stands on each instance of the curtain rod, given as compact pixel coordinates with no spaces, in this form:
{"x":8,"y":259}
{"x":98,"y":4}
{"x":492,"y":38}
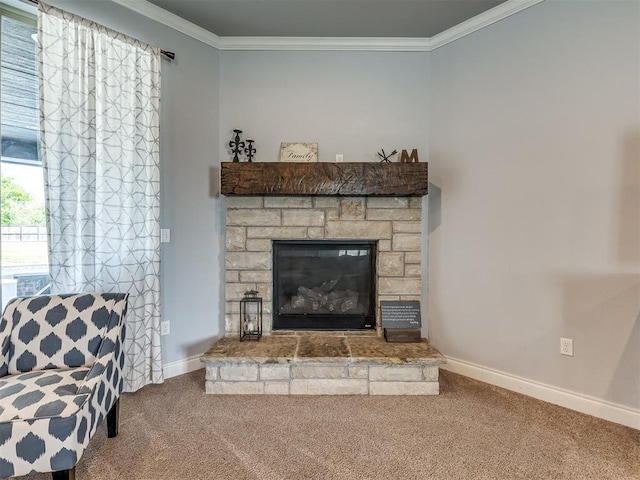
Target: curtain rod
{"x":169,"y":55}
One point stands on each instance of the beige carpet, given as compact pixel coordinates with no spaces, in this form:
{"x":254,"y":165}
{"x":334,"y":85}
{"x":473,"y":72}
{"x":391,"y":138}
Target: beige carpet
{"x":471,"y":431}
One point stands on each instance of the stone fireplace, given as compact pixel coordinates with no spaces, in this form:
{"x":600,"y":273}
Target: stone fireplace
{"x":392,"y":225}
{"x":329,"y":242}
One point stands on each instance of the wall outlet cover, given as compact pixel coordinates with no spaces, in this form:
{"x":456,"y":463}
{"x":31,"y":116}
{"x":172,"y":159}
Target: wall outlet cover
{"x":165,"y":328}
{"x":566,"y":347}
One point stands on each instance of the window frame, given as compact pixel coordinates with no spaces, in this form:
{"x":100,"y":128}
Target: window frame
{"x":18,"y":14}
{"x":31,"y":19}
{"x":26,"y":14}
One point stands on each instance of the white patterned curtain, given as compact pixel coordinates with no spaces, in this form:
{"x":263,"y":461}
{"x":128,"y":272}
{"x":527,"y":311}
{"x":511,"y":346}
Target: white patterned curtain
{"x":99,"y":120}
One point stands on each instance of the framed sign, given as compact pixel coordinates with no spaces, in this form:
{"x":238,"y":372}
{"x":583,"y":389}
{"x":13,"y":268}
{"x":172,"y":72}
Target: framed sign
{"x":400,"y":314}
{"x":299,"y":152}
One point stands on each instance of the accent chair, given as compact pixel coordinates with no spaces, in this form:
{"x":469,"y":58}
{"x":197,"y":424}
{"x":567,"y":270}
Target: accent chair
{"x":61,"y":365}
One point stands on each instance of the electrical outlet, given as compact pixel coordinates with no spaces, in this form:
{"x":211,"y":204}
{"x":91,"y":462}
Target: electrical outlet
{"x":566,"y":347}
{"x":165,"y":328}
{"x":339,"y":158}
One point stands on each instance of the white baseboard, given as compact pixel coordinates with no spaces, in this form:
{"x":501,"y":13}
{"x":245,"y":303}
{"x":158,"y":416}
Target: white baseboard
{"x":183,"y":366}
{"x":582,"y":403}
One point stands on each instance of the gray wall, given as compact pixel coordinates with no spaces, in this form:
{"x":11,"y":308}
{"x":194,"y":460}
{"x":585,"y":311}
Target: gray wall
{"x":531,"y":126}
{"x":535,"y":221}
{"x":353,"y":103}
{"x":191,"y":274}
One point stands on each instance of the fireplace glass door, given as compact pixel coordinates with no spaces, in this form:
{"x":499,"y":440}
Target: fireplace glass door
{"x":324,"y":285}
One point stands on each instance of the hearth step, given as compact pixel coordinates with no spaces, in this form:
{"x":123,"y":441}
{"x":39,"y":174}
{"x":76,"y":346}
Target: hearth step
{"x":315,"y":364}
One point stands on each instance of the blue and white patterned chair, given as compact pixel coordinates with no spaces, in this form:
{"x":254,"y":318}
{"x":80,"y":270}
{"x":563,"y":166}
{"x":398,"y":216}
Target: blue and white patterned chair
{"x":61,"y":364}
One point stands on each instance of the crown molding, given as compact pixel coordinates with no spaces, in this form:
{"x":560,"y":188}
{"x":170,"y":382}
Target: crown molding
{"x":325,"y":43}
{"x":389,"y":44}
{"x":500,"y":12}
{"x":164,"y":17}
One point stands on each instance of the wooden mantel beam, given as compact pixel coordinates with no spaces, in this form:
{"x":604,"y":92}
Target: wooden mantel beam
{"x":328,"y":179}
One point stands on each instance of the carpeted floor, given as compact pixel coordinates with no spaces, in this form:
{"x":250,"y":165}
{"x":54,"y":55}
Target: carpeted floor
{"x":470,"y":431}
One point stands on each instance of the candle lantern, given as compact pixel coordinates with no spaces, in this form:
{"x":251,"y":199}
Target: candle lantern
{"x":251,"y":316}
{"x":250,"y":150}
{"x":236,"y":145}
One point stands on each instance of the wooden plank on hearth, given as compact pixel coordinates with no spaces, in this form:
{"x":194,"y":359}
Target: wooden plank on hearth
{"x":402,"y":335}
{"x":330,"y":179}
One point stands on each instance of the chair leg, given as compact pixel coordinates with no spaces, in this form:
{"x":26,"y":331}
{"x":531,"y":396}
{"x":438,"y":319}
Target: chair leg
{"x":65,"y":474}
{"x":113,"y":420}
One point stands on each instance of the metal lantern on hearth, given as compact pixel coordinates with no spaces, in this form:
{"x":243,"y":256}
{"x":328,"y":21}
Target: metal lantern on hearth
{"x":251,"y":316}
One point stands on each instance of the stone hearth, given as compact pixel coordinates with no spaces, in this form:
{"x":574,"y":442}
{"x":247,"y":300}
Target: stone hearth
{"x":322,"y":363}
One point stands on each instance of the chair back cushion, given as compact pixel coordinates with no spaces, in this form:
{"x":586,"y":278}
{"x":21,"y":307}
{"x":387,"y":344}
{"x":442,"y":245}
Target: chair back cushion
{"x":58,"y":331}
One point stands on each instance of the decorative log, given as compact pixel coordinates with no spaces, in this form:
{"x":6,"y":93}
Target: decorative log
{"x":329,"y":179}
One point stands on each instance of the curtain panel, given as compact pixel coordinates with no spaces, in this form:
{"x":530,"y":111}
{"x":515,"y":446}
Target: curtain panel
{"x":100,"y":122}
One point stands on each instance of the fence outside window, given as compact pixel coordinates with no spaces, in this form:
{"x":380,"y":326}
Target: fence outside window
{"x":23,"y":233}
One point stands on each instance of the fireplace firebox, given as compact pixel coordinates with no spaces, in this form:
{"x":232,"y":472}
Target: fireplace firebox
{"x":324,"y":285}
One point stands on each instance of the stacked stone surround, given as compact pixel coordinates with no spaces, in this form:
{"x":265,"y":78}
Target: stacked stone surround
{"x":252,"y":224}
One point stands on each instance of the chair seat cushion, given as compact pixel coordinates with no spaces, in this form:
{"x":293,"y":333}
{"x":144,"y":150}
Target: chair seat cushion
{"x":41,"y":394}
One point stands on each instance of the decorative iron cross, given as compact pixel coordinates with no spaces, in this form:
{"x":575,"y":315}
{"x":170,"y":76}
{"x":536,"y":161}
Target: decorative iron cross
{"x":385,"y":158}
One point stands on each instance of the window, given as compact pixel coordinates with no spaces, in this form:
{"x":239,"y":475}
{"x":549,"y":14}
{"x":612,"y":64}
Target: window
{"x":23,"y":240}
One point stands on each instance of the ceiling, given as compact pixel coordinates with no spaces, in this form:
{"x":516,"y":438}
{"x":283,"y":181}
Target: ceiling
{"x":327,"y":18}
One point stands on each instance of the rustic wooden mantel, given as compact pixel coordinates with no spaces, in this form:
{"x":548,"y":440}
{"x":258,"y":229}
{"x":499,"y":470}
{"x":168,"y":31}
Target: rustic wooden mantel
{"x":330,"y":179}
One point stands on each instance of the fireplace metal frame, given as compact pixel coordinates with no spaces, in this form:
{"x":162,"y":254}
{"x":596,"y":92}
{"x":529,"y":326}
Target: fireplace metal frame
{"x":325,"y":321}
